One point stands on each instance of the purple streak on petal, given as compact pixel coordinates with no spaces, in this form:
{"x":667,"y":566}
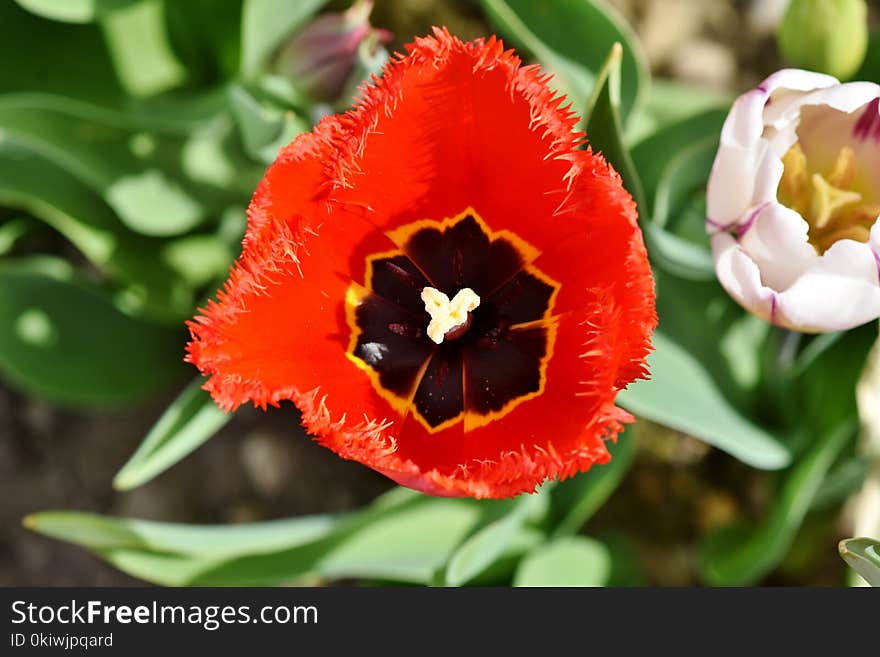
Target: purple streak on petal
{"x":762,"y":88}
{"x":868,"y":124}
{"x":743,"y":228}
{"x":877,"y":261}
{"x":716,"y":224}
{"x":774,"y":307}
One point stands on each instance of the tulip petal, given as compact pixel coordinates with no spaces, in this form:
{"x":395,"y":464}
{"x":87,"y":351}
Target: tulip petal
{"x":776,"y":241}
{"x":740,"y":276}
{"x":754,"y":135}
{"x":839,"y":292}
{"x":732,"y":183}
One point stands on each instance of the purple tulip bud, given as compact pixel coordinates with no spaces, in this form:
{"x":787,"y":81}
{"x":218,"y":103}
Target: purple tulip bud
{"x":321,"y":57}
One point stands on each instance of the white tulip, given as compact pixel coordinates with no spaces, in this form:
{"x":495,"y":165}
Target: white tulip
{"x":794,"y":202}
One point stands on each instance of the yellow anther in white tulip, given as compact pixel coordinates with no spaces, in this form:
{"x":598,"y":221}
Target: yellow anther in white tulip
{"x":448,"y":316}
{"x":833,"y":205}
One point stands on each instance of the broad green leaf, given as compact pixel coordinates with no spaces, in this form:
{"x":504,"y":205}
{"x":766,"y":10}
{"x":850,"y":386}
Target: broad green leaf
{"x":36,"y":56}
{"x":11,"y":231}
{"x":162,"y":568}
{"x":136,"y":173}
{"x":702,"y":318}
{"x":74,"y":11}
{"x":685,"y":174}
{"x":263,"y":129}
{"x":736,"y":557}
{"x":500,"y":572}
{"x":682,"y":395}
{"x":671,"y":103}
{"x":191,"y":419}
{"x":154,"y":204}
{"x":178,"y":114}
{"x":264,"y":26}
{"x":604,"y":128}
{"x":48,"y":192}
{"x":572,"y":38}
{"x":842,"y":481}
{"x":215,"y":157}
{"x":487,"y":544}
{"x":677,"y":255}
{"x":63,"y":339}
{"x":177,"y":555}
{"x":671,"y":227}
{"x":198,"y":259}
{"x":408,"y":546}
{"x":404,"y":539}
{"x":863,"y":556}
{"x":575,"y":500}
{"x":652,"y":155}
{"x":823,"y":395}
{"x":567,"y":561}
{"x":206,"y":38}
{"x":97,"y":532}
{"x":140,"y":49}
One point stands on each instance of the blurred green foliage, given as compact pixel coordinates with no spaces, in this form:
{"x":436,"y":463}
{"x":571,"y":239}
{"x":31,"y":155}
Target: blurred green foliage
{"x":132,"y":133}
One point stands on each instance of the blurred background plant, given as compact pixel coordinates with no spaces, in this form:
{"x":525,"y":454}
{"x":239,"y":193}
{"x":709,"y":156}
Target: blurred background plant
{"x":132,"y":133}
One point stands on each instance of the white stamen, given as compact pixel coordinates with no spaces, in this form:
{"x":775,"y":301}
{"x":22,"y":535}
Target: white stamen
{"x":445,"y":314}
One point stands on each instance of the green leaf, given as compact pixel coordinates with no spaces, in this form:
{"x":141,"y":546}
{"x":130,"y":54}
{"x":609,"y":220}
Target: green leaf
{"x":652,"y":155}
{"x":198,"y":259}
{"x":843,"y":480}
{"x":487,"y":544}
{"x":677,"y":255}
{"x":683,"y":179}
{"x":403,"y":540}
{"x":36,"y":56}
{"x":824,"y":391}
{"x":154,"y":204}
{"x":863,"y":556}
{"x":567,"y":561}
{"x":137,"y":174}
{"x":682,"y":395}
{"x":672,"y":103}
{"x":408,"y":546}
{"x":11,"y":231}
{"x":177,"y":555}
{"x":735,"y":557}
{"x":206,"y":37}
{"x":575,"y":500}
{"x":31,"y":182}
{"x":64,"y":340}
{"x":191,"y":419}
{"x":401,"y":537}
{"x":97,"y":532}
{"x":264,"y":129}
{"x":604,"y":127}
{"x":74,"y":11}
{"x":264,"y":26}
{"x":140,"y":49}
{"x":571,"y":38}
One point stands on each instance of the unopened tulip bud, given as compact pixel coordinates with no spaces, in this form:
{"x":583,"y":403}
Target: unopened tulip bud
{"x":829,"y":36}
{"x":321,"y":57}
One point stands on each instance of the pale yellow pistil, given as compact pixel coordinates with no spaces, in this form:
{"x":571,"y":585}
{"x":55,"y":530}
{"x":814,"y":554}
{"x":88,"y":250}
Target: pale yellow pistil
{"x":446,"y":315}
{"x":830,"y":204}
